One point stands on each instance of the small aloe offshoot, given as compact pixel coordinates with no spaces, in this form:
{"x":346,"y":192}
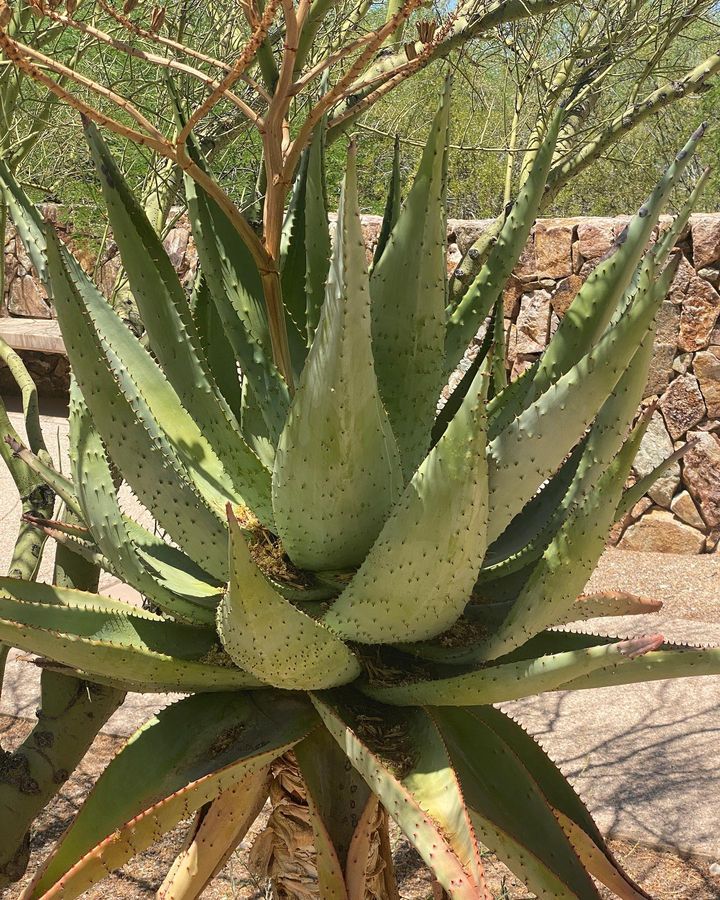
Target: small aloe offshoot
{"x":351,"y":579}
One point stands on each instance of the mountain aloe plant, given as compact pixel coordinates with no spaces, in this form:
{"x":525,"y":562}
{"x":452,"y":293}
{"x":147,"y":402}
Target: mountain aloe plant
{"x":342,"y":574}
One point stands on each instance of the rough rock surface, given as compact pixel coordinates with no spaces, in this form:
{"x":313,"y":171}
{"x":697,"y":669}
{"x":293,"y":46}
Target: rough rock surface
{"x":655,"y":447}
{"x":706,"y":367}
{"x":659,"y":531}
{"x":700,"y":310}
{"x":682,"y":405}
{"x":684,"y":508}
{"x":701,"y":474}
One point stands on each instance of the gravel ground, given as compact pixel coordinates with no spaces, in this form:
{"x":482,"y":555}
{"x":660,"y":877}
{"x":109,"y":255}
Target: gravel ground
{"x":688,"y":585}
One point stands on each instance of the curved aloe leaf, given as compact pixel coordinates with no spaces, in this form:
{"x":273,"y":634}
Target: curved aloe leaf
{"x":596,"y":301}
{"x":532,"y":774}
{"x":98,"y":499}
{"x":610,"y":603}
{"x":478,"y":300}
{"x":393,"y":206}
{"x":215,"y":833}
{"x":414,"y":780}
{"x":527,"y":536}
{"x":268,"y":636}
{"x":528,"y":450}
{"x":305,"y":249}
{"x":169,"y":324}
{"x":572,"y":555}
{"x":337,"y":471}
{"x":236,"y":289}
{"x":183,"y":757}
{"x":508,"y":808}
{"x":513,"y":680}
{"x":408,"y":303}
{"x":685,"y":663}
{"x":216,"y":347}
{"x":336,"y":796}
{"x":118,"y":642}
{"x":417,"y":578}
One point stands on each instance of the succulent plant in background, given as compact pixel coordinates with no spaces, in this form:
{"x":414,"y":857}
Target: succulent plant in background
{"x":346,"y":577}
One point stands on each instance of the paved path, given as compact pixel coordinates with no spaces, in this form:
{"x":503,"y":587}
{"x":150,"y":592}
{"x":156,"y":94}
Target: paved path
{"x":645,"y":758}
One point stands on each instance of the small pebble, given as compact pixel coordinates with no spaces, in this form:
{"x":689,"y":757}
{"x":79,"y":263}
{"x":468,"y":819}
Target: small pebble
{"x":715,"y":869}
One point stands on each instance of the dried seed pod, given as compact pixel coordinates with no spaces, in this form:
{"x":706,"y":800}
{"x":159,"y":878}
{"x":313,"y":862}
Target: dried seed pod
{"x":410,"y":50}
{"x":426,"y":30}
{"x":129,"y":6}
{"x":158,"y":18}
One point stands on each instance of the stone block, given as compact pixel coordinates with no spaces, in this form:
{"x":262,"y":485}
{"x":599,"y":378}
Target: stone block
{"x":661,"y":369}
{"x":700,"y":310}
{"x":533,"y":322}
{"x":682,"y":405}
{"x":701,"y":475}
{"x":655,"y":447}
{"x":705,"y":231}
{"x":553,"y":248}
{"x":660,"y":532}
{"x":706,"y":366}
{"x":595,"y":237}
{"x":684,"y":508}
{"x":565,"y":293}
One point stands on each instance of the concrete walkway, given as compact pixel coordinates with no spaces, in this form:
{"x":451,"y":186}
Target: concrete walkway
{"x":645,"y":758}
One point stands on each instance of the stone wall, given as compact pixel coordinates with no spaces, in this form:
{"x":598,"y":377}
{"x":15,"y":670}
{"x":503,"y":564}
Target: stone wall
{"x":682,"y":511}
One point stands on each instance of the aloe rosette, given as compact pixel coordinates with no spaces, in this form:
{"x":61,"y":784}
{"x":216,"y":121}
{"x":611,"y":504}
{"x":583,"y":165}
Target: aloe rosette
{"x":345,"y":579}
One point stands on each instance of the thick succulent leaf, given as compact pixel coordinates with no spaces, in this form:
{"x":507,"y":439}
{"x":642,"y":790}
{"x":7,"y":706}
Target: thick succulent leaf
{"x":268,"y":636}
{"x":403,"y":759}
{"x":393,"y":205}
{"x":488,"y":286}
{"x":161,"y":462}
{"x":216,"y":347}
{"x":569,"y":560}
{"x":59,"y":483}
{"x":530,"y":775}
{"x":100,"y":507}
{"x":685,"y":663}
{"x":183,"y":757}
{"x":114,"y":640}
{"x":454,"y":401}
{"x":152,"y":434}
{"x":609,"y":603}
{"x":529,"y":534}
{"x":236,"y":289}
{"x":534,"y":445}
{"x":172,"y":568}
{"x":631,"y":496}
{"x":593,"y":306}
{"x":480,"y":619}
{"x":215,"y":833}
{"x":337,"y":471}
{"x":305,"y":248}
{"x":417,"y":578}
{"x":168,"y":321}
{"x":336,"y":796}
{"x":408,"y":303}
{"x":158,"y":448}
{"x":509,"y":403}
{"x":512,"y":680}
{"x":508,"y":808}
